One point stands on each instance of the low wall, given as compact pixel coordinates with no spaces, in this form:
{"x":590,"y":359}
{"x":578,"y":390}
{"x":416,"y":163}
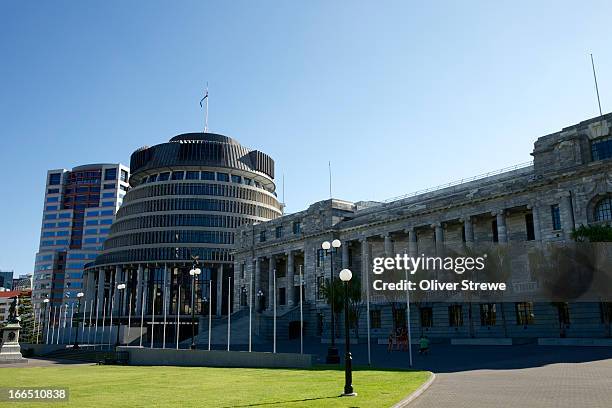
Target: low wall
{"x":575,"y":342}
{"x":216,"y":358}
{"x":482,"y":342}
{"x":42,"y":349}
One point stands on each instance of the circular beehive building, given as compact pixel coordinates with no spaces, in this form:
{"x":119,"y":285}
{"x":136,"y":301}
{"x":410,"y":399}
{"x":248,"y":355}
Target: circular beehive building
{"x":186,"y":199}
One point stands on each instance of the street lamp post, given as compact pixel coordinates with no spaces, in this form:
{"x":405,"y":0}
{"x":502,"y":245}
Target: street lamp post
{"x":194,"y":272}
{"x":76,"y":336}
{"x":332,"y":352}
{"x":345,"y":276}
{"x":46,"y":303}
{"x":120,"y":288}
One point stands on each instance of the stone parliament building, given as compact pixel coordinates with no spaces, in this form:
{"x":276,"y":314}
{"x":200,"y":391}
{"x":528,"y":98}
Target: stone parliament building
{"x":568,"y":184}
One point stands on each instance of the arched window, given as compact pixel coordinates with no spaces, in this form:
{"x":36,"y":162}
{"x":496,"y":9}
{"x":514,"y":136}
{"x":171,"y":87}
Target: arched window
{"x":603,"y":210}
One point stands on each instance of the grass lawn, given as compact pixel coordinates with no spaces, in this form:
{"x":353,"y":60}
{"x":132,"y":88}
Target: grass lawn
{"x":125,"y":386}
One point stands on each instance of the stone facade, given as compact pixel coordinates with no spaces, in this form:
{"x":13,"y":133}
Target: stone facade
{"x":568,"y":184}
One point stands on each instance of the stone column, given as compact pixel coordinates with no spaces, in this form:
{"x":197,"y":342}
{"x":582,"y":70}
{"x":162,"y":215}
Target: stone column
{"x":290,"y":283}
{"x":388,"y":245}
{"x":439,"y":233}
{"x":535,"y":212}
{"x":219,"y":290}
{"x":364,"y":260}
{"x":567,"y":214}
{"x":100,"y":300}
{"x":139,"y":278}
{"x":270,"y":294}
{"x":502,"y":236}
{"x":412,"y":242}
{"x":345,"y":254}
{"x":468,"y":228}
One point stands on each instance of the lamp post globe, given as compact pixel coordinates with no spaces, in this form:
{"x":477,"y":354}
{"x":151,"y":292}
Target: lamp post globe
{"x":336,"y":243}
{"x":345,"y":277}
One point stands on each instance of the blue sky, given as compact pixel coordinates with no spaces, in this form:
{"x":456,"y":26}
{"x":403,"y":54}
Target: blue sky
{"x":400,"y":96}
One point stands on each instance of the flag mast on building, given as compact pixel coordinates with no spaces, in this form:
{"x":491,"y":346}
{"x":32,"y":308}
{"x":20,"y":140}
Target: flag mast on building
{"x":205,"y":99}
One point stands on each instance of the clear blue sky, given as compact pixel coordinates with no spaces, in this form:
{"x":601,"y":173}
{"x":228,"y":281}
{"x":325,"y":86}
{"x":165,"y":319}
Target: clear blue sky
{"x":398,"y":95}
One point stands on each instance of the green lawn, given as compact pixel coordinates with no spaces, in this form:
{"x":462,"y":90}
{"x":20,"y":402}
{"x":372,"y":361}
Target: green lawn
{"x":124,"y":386}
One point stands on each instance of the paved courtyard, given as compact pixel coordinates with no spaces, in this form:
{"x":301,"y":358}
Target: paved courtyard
{"x":501,"y":376}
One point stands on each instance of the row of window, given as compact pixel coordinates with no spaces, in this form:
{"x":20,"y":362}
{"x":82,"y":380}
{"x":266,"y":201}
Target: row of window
{"x":62,"y":224}
{"x":165,"y":254}
{"x":602,"y":148}
{"x":200,"y":175}
{"x":179,"y":220}
{"x":279,"y":231}
{"x":100,"y":213}
{"x":171,"y":237}
{"x":196,"y":204}
{"x":488,"y":315}
{"x":202,"y":189}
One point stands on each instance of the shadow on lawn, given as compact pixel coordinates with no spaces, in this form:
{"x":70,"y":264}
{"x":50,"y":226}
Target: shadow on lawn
{"x":282,"y":402}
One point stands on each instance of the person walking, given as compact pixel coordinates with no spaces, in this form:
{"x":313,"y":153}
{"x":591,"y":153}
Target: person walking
{"x":424,"y":345}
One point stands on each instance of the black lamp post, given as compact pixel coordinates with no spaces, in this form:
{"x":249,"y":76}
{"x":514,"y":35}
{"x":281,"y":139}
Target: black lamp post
{"x":345,"y":276}
{"x":194,"y":272}
{"x":120,"y":288}
{"x":332,"y":352}
{"x":76,"y":336}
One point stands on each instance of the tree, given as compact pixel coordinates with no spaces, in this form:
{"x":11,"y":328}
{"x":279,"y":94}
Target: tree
{"x":593,"y":233}
{"x":597,"y":233}
{"x":335,"y":292}
{"x":26,"y":314}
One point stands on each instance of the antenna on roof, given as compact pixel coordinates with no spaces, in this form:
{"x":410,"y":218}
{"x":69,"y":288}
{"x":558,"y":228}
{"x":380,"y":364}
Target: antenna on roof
{"x":596,"y":87}
{"x":330,"y":179}
{"x":205,"y":98}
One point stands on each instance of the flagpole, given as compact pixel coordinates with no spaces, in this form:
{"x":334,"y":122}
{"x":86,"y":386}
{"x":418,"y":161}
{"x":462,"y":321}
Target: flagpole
{"x":71,"y":319}
{"x":53,"y":330}
{"x":59,"y":325}
{"x":89,"y":328}
{"x":111,"y":295}
{"x":301,"y":316}
{"x":142,"y":308}
{"x":229,"y":313}
{"x":153,"y":315}
{"x":83,"y":329}
{"x":367,"y":277}
{"x":96,"y":331}
{"x":103,"y":322}
{"x":408,"y":318}
{"x":596,"y":87}
{"x":178,"y":316}
{"x":48,"y":325}
{"x":274,"y":297}
{"x":209,"y":310}
{"x":250,"y":307}
{"x":34,"y":324}
{"x":129,"y":316}
{"x":165,"y":307}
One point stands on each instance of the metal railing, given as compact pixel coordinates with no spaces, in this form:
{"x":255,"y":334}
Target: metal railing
{"x":462,"y":181}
